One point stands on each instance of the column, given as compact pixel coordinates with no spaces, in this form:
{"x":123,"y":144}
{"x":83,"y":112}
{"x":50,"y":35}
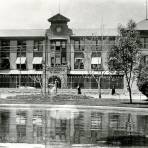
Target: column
{"x":13,"y":54}
{"x":104,"y":60}
{"x":48,"y":54}
{"x":12,"y":126}
{"x":87,"y":55}
{"x":72,"y":56}
{"x":68,"y":52}
{"x":44,"y":46}
{"x":29,"y":126}
{"x":104,"y":53}
{"x":29,"y":54}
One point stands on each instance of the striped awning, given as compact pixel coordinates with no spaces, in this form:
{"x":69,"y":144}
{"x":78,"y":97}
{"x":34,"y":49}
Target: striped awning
{"x":96,"y":60}
{"x":20,"y":60}
{"x":37,"y":60}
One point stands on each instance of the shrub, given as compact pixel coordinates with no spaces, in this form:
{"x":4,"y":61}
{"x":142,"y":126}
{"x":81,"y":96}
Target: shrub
{"x":143,"y":81}
{"x":143,"y":87}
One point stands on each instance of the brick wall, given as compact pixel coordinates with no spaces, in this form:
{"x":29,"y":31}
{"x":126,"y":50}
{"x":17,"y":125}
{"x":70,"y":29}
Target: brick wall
{"x":29,"y":54}
{"x":13,"y":54}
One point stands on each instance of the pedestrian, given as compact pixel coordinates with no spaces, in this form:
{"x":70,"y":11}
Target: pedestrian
{"x":79,"y":89}
{"x":113,"y":90}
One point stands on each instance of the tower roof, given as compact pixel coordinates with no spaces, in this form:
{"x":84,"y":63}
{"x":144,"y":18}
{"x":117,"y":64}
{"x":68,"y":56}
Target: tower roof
{"x":58,"y":18}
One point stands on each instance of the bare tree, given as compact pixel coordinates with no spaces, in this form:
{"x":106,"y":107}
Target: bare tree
{"x":97,"y":72}
{"x":38,"y":79}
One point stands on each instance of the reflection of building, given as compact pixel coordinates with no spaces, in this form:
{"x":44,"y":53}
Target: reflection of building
{"x":72,"y":56}
{"x":87,"y":127}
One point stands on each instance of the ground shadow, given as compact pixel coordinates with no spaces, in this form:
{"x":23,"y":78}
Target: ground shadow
{"x":128,"y":140}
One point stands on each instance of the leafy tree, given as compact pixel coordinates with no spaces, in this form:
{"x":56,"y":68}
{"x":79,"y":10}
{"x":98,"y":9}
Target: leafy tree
{"x":124,"y":56}
{"x":143,"y":80}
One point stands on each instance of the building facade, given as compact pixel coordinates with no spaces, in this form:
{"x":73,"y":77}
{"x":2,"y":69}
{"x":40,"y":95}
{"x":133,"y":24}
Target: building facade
{"x":72,"y":57}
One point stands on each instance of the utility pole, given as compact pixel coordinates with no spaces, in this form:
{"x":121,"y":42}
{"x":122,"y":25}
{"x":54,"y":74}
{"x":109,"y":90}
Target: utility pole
{"x":146,"y":10}
{"x":99,"y":79}
{"x":59,"y":5}
{"x":45,"y":67}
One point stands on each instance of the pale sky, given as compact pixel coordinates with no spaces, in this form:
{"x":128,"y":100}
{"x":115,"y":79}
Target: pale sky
{"x":33,"y":14}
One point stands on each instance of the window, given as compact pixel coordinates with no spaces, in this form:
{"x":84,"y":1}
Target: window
{"x":78,"y":64}
{"x":52,"y":61}
{"x":111,"y":42}
{"x":96,"y":61}
{"x":21,"y":63}
{"x":58,"y":43}
{"x":4,"y":54}
{"x":52,"y":46}
{"x":76,"y":44}
{"x":82,"y":44}
{"x":5,"y":64}
{"x":5,"y":48}
{"x":63,"y":56}
{"x":146,"y":59}
{"x":93,"y":45}
{"x":63,"y":44}
{"x":79,"y":60}
{"x":38,"y":48}
{"x":37,"y":63}
{"x":21,"y":66}
{"x":144,"y":42}
{"x":95,"y":66}
{"x":57,"y":60}
{"x":58,"y":49}
{"x":37,"y":66}
{"x":21,"y":48}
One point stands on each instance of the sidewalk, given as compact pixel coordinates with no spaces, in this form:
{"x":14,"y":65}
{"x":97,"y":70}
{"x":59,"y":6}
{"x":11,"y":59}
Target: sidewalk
{"x":138,"y":97}
{"x":7,"y":92}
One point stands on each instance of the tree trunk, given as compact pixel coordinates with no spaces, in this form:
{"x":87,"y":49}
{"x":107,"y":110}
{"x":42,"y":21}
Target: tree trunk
{"x":99,"y":88}
{"x":130,"y":94}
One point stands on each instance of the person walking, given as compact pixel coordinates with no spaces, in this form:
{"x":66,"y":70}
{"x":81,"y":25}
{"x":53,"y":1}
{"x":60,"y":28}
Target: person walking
{"x":113,"y":90}
{"x":79,"y":89}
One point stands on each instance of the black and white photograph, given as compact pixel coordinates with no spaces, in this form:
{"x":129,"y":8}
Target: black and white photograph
{"x":73,"y":73}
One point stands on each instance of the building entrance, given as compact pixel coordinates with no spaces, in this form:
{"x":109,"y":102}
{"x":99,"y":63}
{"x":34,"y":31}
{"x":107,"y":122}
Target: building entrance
{"x":54,"y":79}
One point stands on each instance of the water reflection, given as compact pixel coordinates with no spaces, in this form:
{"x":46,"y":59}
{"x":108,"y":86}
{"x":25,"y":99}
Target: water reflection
{"x":83,"y":127}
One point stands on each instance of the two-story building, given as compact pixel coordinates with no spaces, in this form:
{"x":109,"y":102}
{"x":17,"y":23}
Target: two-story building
{"x":72,"y":57}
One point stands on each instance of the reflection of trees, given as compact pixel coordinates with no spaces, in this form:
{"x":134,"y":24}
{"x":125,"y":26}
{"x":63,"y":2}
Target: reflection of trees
{"x":122,"y":125}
